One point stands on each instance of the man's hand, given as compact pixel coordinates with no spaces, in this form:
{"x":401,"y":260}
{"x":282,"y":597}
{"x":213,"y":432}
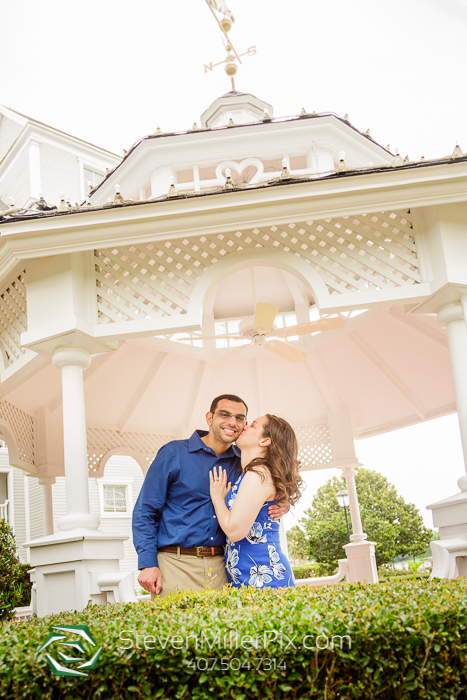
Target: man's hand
{"x":277,"y":511}
{"x":151,"y":579}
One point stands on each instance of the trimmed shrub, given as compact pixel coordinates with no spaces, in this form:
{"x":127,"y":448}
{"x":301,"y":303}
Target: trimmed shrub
{"x":397,"y":640}
{"x":388,"y":572}
{"x":310,"y":571}
{"x":15,"y":586}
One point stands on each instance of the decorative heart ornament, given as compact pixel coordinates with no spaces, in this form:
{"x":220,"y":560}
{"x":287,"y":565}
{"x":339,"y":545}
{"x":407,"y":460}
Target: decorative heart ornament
{"x":246,"y":172}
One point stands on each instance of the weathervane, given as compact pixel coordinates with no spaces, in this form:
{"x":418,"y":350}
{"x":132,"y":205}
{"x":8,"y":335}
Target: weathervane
{"x":225,"y":25}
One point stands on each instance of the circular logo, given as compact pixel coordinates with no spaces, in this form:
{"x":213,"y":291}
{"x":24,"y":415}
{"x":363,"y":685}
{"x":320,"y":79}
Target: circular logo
{"x":72,"y":650}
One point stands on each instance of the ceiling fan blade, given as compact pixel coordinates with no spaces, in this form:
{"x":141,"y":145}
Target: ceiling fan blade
{"x":324,"y":324}
{"x":288,"y":352}
{"x":264,"y":316}
{"x":226,"y":357}
{"x":211,"y":337}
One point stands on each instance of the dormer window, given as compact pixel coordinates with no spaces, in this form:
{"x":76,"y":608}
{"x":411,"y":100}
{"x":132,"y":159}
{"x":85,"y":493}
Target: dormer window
{"x":92,"y":178}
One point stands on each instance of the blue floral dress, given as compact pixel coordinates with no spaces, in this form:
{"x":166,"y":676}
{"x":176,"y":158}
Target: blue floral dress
{"x":258,"y":559}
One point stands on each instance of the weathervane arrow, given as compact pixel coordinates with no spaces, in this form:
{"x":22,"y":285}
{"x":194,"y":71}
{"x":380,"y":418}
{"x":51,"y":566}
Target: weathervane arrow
{"x":225,"y":25}
{"x":221,"y":6}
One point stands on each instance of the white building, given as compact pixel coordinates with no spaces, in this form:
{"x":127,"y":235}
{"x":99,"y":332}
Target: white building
{"x":37,"y":159}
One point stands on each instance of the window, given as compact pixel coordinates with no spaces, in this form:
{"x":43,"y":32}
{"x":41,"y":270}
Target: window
{"x":6,"y":497}
{"x":115,"y":498}
{"x":91,"y":177}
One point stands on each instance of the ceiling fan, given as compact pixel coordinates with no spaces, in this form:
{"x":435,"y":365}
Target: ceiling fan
{"x":260,"y":330}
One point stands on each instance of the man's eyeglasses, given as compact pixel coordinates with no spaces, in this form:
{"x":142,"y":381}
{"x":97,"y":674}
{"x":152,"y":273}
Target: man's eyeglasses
{"x":225,"y":415}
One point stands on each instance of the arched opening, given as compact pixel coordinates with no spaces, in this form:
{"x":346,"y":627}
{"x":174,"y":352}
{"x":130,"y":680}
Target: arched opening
{"x":8,"y":442}
{"x":136,"y":456}
{"x":255,"y":258}
{"x":237,"y":294}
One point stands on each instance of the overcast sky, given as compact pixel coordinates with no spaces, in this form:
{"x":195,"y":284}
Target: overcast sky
{"x":112,"y":71}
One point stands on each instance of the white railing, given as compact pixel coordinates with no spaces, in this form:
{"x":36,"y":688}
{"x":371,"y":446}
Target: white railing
{"x":4,"y":510}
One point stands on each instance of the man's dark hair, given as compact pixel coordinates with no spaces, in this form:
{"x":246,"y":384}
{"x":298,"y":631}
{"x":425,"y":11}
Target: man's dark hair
{"x":227,"y":397}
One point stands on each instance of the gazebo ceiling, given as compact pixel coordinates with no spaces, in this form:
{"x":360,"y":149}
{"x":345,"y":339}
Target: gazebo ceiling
{"x":391,"y":369}
{"x":236,"y":295}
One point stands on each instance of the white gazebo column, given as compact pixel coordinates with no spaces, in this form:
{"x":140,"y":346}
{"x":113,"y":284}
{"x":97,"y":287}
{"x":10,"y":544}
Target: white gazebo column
{"x":46,"y":482}
{"x":450,"y":514}
{"x":453,"y":319}
{"x":464,"y":307}
{"x":360,"y":553}
{"x":357,"y":532}
{"x":70,"y":562}
{"x":71,"y":361}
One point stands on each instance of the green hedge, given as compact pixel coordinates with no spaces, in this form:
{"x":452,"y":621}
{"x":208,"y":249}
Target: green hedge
{"x":407,"y":640}
{"x":404,"y":575}
{"x":310,"y":571}
{"x":387,"y":572}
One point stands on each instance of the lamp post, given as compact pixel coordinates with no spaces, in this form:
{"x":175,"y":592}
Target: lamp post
{"x":343,"y":500}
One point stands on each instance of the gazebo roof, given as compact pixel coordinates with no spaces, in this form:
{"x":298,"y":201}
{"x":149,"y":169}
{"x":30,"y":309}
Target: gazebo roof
{"x":422,"y":166}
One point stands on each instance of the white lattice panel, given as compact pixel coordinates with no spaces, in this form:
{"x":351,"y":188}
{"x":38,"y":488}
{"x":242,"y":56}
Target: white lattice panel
{"x":23,"y":426}
{"x":351,"y":253}
{"x":314,"y":445}
{"x":100,"y":441}
{"x":13,"y":319}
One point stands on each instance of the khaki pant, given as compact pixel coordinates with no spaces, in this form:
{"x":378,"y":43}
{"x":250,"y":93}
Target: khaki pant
{"x":189,"y":572}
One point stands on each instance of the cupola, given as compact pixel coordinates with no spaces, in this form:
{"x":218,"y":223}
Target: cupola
{"x":236,"y":108}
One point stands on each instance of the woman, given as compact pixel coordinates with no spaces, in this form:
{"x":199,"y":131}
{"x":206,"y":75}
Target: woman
{"x":269,"y":473}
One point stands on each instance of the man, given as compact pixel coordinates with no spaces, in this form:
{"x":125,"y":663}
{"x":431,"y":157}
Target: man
{"x":175,"y":529}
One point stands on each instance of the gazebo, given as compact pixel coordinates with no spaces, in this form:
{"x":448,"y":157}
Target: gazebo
{"x":122,"y":318}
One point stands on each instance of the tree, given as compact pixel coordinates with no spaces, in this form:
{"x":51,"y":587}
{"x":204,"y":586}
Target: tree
{"x":297,"y":544}
{"x":396,"y":526}
{"x":15,"y":586}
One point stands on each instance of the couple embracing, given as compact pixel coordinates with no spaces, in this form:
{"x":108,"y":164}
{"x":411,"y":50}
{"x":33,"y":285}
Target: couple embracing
{"x":209,"y":509}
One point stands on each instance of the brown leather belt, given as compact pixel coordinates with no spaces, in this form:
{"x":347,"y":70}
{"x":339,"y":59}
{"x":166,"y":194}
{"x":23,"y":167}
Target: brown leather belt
{"x":194,"y":551}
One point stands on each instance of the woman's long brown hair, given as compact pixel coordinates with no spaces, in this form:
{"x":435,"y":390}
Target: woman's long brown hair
{"x":281,"y":459}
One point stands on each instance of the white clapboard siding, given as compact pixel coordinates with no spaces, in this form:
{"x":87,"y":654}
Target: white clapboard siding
{"x":59,"y":500}
{"x":4,"y":460}
{"x":36,"y":509}
{"x":60,"y":172}
{"x":120,"y":468}
{"x":17,"y":184}
{"x":123,"y":468}
{"x":9,"y":130}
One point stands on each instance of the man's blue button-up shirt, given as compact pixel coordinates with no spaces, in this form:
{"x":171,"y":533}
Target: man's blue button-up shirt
{"x":174,"y":505}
